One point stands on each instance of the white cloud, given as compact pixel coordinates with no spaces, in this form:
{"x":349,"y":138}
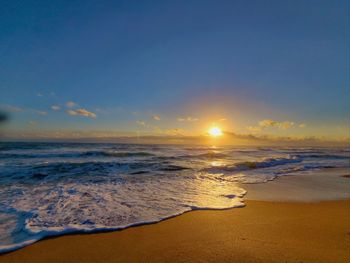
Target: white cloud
{"x":70,"y":104}
{"x":55,"y":107}
{"x":187,"y":119}
{"x":302,"y":125}
{"x":156,"y":117}
{"x":82,"y":112}
{"x":141,"y":123}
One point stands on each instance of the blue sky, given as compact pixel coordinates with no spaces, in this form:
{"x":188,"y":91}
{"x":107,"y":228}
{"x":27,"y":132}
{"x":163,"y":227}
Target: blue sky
{"x":147,"y":65}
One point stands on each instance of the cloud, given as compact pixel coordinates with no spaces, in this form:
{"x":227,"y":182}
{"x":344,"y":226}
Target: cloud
{"x":39,"y":95}
{"x":141,"y":123}
{"x":156,"y":117}
{"x":39,"y":112}
{"x":268,"y":123}
{"x":82,"y":112}
{"x":55,"y":107}
{"x":11,"y":108}
{"x":286,"y":125}
{"x":284,"y":140}
{"x":187,"y":119}
{"x":70,"y":104}
{"x":271,"y":123}
{"x":222,"y":119}
{"x":253,"y":129}
{"x":174,"y":132}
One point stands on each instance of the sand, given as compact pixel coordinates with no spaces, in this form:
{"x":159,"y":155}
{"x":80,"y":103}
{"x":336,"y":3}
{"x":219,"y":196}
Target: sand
{"x":263,"y":231}
{"x":288,"y":220}
{"x":324,"y":185}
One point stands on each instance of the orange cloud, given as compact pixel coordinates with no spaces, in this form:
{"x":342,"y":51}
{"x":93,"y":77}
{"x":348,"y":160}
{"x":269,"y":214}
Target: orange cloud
{"x":156,"y":117}
{"x":271,"y":123}
{"x":55,"y":107}
{"x":82,"y":112}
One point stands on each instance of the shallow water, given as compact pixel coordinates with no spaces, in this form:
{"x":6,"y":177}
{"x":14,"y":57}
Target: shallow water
{"x":54,"y":188}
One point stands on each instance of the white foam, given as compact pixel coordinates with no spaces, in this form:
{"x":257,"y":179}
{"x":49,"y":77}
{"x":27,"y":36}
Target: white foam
{"x":66,"y":193}
{"x":72,"y":207}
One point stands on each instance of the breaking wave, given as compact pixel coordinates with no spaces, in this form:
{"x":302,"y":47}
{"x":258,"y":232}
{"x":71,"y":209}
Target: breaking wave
{"x":249,"y":165}
{"x":51,"y":189}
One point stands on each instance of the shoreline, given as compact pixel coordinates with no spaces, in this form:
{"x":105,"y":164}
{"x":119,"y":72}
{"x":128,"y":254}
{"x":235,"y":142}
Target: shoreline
{"x":261,"y":231}
{"x":329,"y":184}
{"x":259,"y":201}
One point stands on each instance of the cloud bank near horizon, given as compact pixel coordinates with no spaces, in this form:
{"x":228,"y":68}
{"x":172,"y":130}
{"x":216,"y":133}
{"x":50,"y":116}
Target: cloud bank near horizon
{"x":174,"y":137}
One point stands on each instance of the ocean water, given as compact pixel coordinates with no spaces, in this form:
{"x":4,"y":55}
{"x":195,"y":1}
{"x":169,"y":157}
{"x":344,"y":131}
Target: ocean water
{"x":50,"y":189}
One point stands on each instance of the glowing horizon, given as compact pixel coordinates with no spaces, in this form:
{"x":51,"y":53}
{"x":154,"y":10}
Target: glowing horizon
{"x":162,"y":78}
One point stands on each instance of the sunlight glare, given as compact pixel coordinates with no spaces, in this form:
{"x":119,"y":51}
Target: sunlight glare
{"x":215,"y":132}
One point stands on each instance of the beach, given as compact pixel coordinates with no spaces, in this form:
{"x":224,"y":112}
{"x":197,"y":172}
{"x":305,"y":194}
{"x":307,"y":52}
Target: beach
{"x":262,"y":231}
{"x":174,"y":131}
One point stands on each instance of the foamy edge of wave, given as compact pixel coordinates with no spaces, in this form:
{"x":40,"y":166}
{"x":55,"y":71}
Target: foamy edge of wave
{"x":99,"y":229}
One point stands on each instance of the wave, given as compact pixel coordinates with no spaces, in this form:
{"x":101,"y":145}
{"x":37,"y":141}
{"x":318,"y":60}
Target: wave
{"x":95,"y":207}
{"x":95,"y":170}
{"x":212,"y":155}
{"x":85,"y":229}
{"x":75,"y":154}
{"x":322,"y":156}
{"x":198,"y":148}
{"x":173,"y":168}
{"x":103,"y":187}
{"x":250,"y":165}
{"x":117,"y":154}
{"x":206,"y":155}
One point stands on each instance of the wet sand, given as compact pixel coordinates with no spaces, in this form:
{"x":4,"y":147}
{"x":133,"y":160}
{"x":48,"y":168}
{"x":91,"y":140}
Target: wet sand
{"x":263,"y":231}
{"x":324,"y":185}
{"x":291,"y":219}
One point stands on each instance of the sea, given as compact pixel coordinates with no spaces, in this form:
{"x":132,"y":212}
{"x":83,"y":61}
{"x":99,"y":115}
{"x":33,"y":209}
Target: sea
{"x":50,"y":189}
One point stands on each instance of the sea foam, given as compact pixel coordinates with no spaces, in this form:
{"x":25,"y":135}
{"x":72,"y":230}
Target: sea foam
{"x":51,"y":189}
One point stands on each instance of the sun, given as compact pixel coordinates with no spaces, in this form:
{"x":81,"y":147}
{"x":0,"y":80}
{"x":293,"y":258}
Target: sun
{"x":215,"y":131}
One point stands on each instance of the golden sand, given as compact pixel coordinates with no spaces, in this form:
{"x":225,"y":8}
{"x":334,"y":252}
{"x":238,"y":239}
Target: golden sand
{"x":260,"y":232}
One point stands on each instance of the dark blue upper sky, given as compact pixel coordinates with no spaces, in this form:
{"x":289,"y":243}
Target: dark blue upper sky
{"x":122,"y":60}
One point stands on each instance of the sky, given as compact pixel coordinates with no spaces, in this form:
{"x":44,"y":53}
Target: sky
{"x":175,"y":68}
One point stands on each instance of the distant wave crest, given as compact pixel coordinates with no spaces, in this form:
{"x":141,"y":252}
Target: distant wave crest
{"x":250,"y":165}
{"x":116,"y":154}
